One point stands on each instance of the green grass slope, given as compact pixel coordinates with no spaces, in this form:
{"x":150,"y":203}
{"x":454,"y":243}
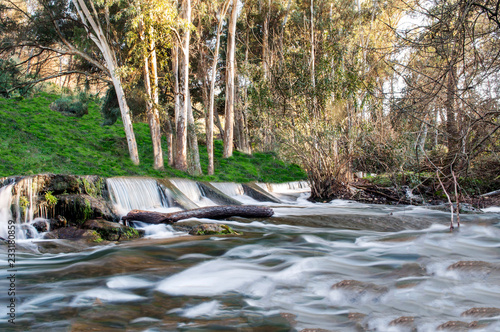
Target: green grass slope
{"x":34,"y":139}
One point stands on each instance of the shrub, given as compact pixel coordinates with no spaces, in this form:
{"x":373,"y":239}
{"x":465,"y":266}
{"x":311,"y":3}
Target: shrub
{"x":71,"y":105}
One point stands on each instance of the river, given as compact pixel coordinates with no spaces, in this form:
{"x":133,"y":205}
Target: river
{"x":338,"y":266}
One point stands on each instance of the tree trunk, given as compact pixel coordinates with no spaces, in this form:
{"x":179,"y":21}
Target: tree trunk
{"x":265,"y":43}
{"x":151,"y":87}
{"x":230,"y":87}
{"x":451,"y":118}
{"x":169,"y":133}
{"x":154,"y":117}
{"x":194,"y":166}
{"x":100,"y":40}
{"x":181,"y":155}
{"x":313,"y":60}
{"x":210,"y":117}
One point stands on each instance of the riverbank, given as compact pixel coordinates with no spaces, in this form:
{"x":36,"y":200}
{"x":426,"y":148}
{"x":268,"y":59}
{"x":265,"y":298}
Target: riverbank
{"x":35,"y":139}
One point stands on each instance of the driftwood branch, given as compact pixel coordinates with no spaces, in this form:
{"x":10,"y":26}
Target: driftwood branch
{"x":211,"y":212}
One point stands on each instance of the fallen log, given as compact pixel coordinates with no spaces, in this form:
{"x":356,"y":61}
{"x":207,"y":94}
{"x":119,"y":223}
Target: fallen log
{"x":493,"y":193}
{"x":210,"y":212}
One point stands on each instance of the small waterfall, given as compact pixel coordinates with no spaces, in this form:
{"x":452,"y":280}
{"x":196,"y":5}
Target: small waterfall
{"x":229,"y":188}
{"x":23,"y":230}
{"x":295,"y":186}
{"x":5,"y":212}
{"x":192,"y":191}
{"x":135,"y":193}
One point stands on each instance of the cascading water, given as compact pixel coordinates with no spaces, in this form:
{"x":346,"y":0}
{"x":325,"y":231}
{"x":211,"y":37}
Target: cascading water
{"x":135,"y":193}
{"x":24,"y":228}
{"x":229,"y":188}
{"x":192,"y":191}
{"x":5,"y":212}
{"x":236,"y":191}
{"x":295,"y":186}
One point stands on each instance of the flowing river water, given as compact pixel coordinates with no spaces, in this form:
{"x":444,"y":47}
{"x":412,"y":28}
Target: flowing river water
{"x":338,"y":266}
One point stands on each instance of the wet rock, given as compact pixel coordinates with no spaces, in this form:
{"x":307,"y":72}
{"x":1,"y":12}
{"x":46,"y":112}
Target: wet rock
{"x":78,"y":208}
{"x":410,"y":270}
{"x":405,"y":323}
{"x":474,"y":266}
{"x":290,"y":318}
{"x":112,"y":231}
{"x":356,"y":317}
{"x":73,"y":233}
{"x":41,"y":225}
{"x":360,"y":287}
{"x":408,"y":283}
{"x":58,"y":222}
{"x":404,"y":320}
{"x":482,"y":312}
{"x":212,"y":229}
{"x":454,"y":325}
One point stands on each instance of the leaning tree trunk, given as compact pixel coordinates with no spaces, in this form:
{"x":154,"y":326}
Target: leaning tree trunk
{"x":98,"y":37}
{"x":230,"y":73}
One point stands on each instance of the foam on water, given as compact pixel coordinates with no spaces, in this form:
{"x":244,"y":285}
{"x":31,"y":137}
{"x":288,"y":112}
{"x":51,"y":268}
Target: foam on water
{"x":90,"y":297}
{"x":127,"y":282}
{"x":212,"y":278}
{"x":492,"y":209}
{"x":157,"y":231}
{"x":205,"y":309}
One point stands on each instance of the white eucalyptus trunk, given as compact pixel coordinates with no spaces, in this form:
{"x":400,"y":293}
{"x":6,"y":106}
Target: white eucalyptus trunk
{"x":230,"y":87}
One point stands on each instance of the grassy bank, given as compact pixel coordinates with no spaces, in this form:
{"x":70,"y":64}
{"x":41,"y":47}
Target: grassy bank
{"x":34,"y":139}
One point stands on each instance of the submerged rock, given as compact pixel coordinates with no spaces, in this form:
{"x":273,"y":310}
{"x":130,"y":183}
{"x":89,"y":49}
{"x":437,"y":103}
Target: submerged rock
{"x":456,"y":325}
{"x":360,"y":287}
{"x":410,"y":270}
{"x":474,"y":266}
{"x":406,"y":323}
{"x":482,"y":312}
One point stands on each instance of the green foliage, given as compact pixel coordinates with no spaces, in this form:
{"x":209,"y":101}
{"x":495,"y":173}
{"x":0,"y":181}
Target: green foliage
{"x":87,"y":210}
{"x":50,"y":199}
{"x":226,"y":230}
{"x":97,"y":237}
{"x":23,"y":203}
{"x":110,"y":109}
{"x":92,"y":189}
{"x":34,"y":139}
{"x":12,"y":80}
{"x":71,"y":105}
